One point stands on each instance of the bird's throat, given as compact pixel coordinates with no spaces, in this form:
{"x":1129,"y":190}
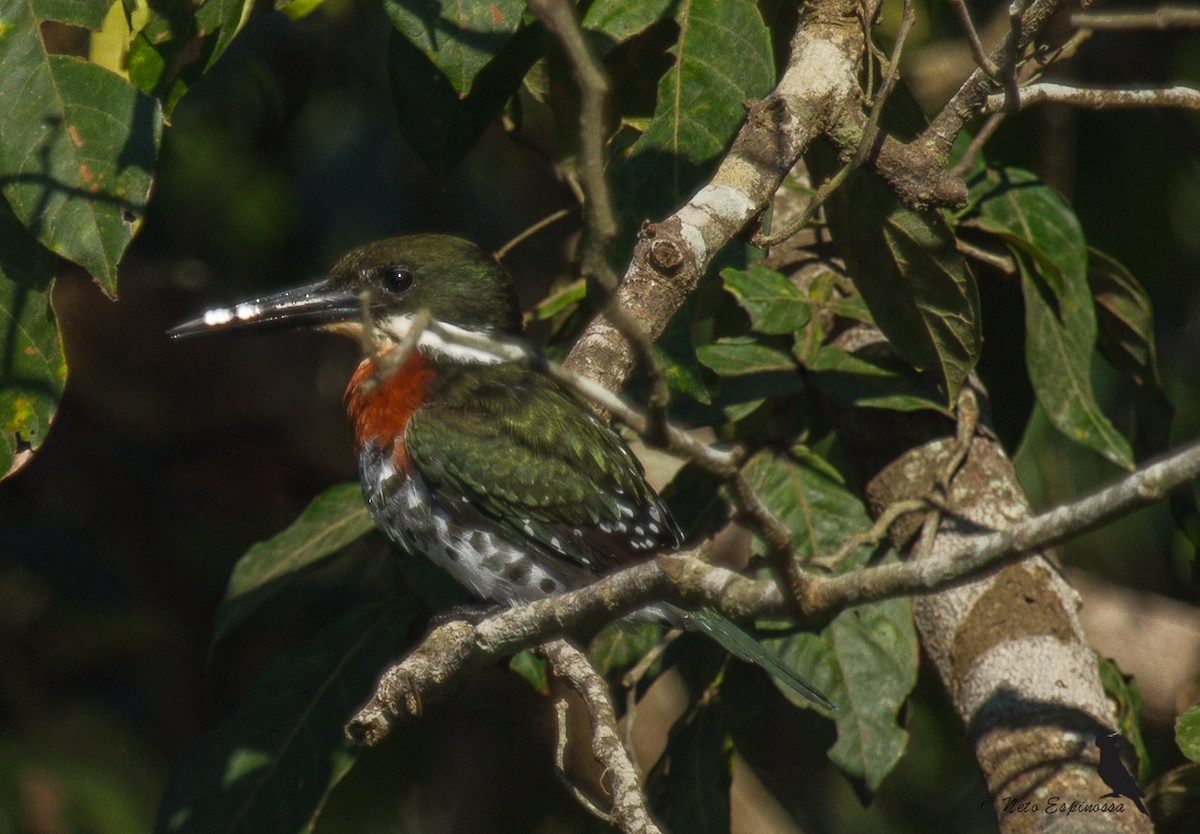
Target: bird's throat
{"x":380,"y":404}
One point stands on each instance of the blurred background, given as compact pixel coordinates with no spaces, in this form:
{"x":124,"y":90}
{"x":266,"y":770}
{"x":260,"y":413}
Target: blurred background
{"x":167,"y":460}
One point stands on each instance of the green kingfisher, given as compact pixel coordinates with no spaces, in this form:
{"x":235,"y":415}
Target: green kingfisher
{"x":474,"y":457}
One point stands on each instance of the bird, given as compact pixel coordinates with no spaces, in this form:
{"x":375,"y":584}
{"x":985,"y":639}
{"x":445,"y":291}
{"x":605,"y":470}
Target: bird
{"x":477,"y":458}
{"x":1113,"y":773}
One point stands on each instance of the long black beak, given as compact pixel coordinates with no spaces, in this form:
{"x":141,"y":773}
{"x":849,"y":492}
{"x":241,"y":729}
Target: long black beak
{"x":312,"y":306}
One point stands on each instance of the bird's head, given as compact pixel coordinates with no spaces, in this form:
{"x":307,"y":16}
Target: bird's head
{"x":461,"y":286}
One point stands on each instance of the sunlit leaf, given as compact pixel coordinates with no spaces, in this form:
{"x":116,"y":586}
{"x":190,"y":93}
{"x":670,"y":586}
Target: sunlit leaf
{"x":774,"y":304}
{"x":620,"y":20}
{"x":78,"y":144}
{"x":722,"y":59}
{"x":1059,"y":341}
{"x":32,"y":367}
{"x":738,"y":357}
{"x":1123,"y":690}
{"x":458,"y":37}
{"x":532,"y":668}
{"x":1187,"y":732}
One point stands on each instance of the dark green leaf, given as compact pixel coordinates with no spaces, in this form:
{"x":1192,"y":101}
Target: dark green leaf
{"x":865,"y":662}
{"x":1125,"y":319}
{"x":918,"y":287}
{"x":333,"y":520}
{"x":809,"y":496}
{"x":1058,"y":354}
{"x":270,"y":766}
{"x":32,"y":367}
{"x":738,"y":357}
{"x":689,"y":786}
{"x":722,"y":59}
{"x":872,"y":380}
{"x":439,"y":124}
{"x":1123,"y":690}
{"x":774,"y":304}
{"x":621,"y":644}
{"x":1020,"y":209}
{"x":1187,"y":732}
{"x":532,"y":668}
{"x":458,"y":37}
{"x":77,"y":143}
{"x":620,"y":20}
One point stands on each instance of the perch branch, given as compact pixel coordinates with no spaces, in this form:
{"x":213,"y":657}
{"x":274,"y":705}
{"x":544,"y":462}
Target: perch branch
{"x":1093,"y":98}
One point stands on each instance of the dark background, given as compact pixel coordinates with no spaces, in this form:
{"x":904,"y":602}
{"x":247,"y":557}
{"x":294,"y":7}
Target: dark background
{"x":167,"y":460}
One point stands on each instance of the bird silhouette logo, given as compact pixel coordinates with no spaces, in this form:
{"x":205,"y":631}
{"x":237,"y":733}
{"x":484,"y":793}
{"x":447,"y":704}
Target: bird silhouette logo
{"x":1112,"y":771}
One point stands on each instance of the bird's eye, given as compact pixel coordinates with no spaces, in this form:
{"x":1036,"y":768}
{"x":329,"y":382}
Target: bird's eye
{"x":397,"y":279}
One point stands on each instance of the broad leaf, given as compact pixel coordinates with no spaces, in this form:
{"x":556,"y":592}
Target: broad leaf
{"x":809,"y":496}
{"x":738,"y":357}
{"x":621,"y":644}
{"x":918,"y":287}
{"x":722,"y":58}
{"x":270,"y":766}
{"x":774,"y":304}
{"x":1125,"y":319}
{"x":1122,"y":690}
{"x":1060,"y":319}
{"x":620,"y":20}
{"x":181,"y":42}
{"x":689,"y":786}
{"x":1058,"y":353}
{"x":1187,"y":732}
{"x":865,"y":661}
{"x":440,"y":122}
{"x":532,"y":668}
{"x":333,"y":520}
{"x":77,"y":143}
{"x":32,"y":367}
{"x":872,"y":380}
{"x":458,"y":37}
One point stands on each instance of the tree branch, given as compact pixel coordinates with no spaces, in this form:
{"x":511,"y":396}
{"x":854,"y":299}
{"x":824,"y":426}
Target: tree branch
{"x":1092,"y":98}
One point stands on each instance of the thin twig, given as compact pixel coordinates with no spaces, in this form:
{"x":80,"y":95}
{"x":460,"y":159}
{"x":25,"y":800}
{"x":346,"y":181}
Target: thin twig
{"x":1164,"y":17}
{"x":630,"y":811}
{"x":1095,"y":99}
{"x":560,"y":20}
{"x":533,"y":229}
{"x":870,"y":136}
{"x":560,"y":764}
{"x":977,"y":49}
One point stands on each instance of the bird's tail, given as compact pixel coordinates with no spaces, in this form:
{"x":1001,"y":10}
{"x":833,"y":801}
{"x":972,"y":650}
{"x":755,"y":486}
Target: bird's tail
{"x":744,"y":647}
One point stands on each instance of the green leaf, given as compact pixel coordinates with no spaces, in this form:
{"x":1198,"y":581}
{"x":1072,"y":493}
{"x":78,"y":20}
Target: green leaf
{"x":270,"y":766}
{"x":77,"y":143}
{"x":1014,"y":205}
{"x":738,"y":357}
{"x":621,"y":644}
{"x":1125,"y":319}
{"x":620,"y":20}
{"x":1122,"y":690}
{"x":181,"y":42}
{"x":774,"y":304}
{"x":458,"y":37}
{"x":32,"y":367}
{"x":532,"y":668}
{"x":440,"y":124}
{"x":872,"y":380}
{"x":1058,"y":354}
{"x":915,"y":283}
{"x":809,"y":496}
{"x":334,"y":519}
{"x":689,"y":786}
{"x":722,"y":58}
{"x":1187,"y":732}
{"x":865,"y":662}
